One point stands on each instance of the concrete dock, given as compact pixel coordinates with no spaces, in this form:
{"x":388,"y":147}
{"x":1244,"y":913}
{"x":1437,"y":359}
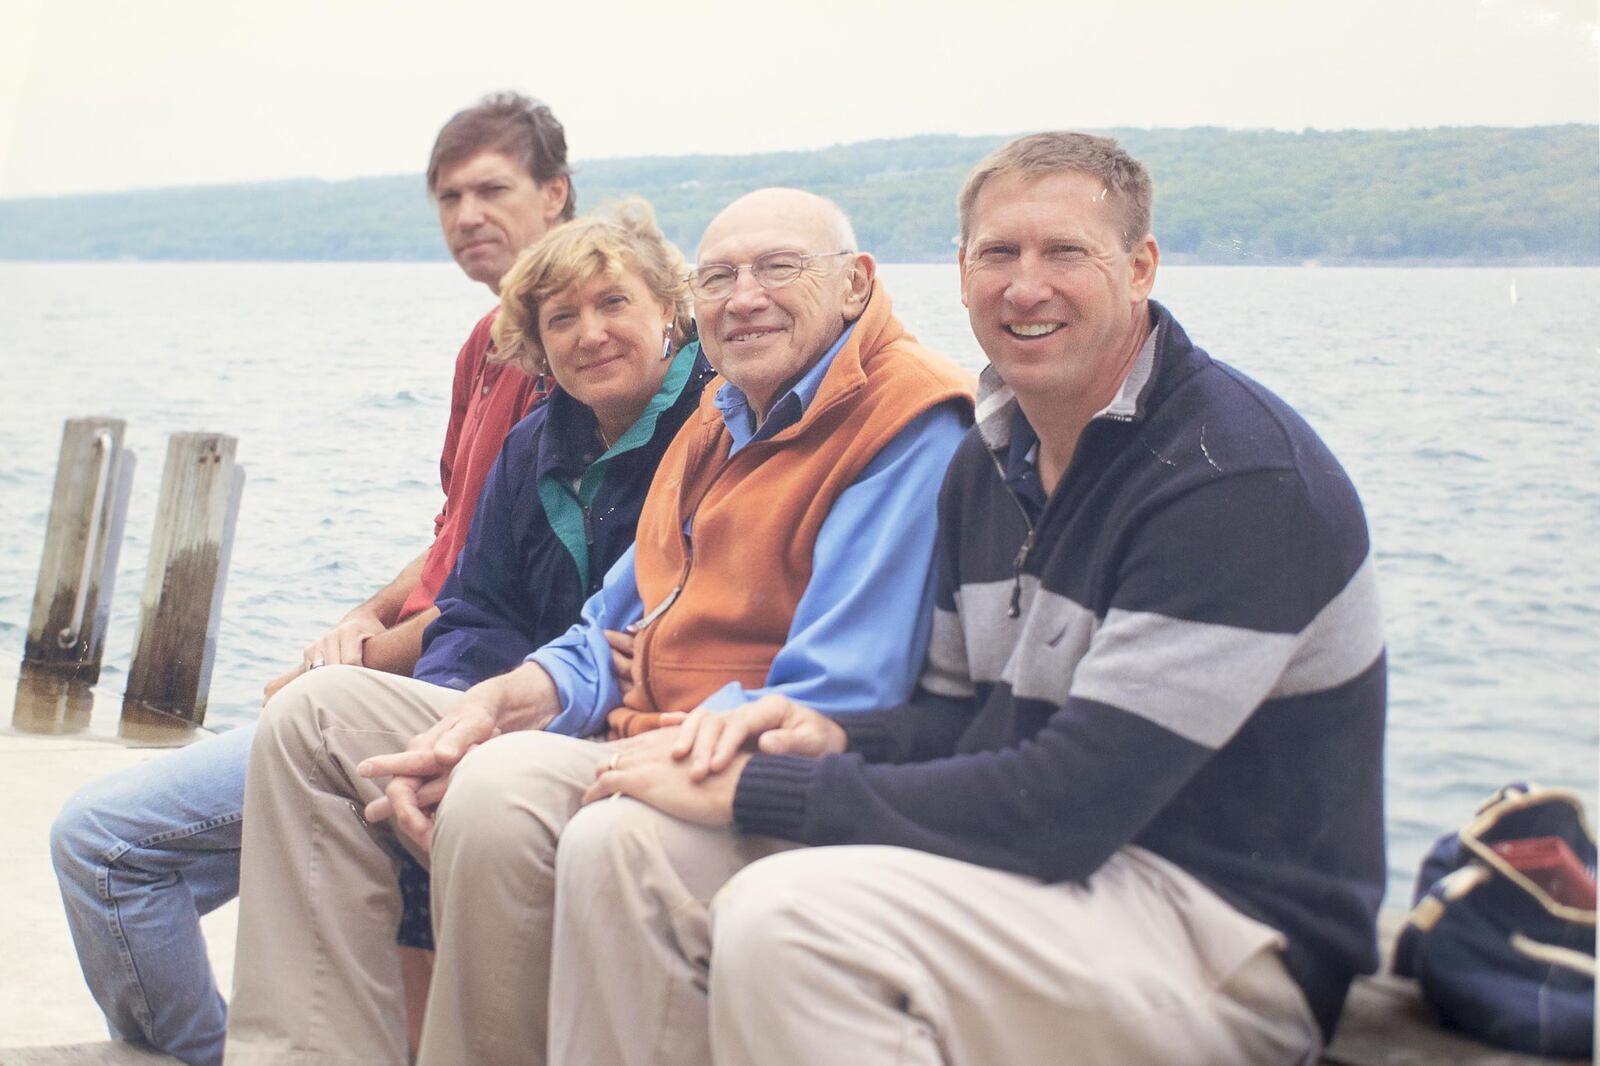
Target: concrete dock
{"x":61,"y":734}
{"x":55,"y":735}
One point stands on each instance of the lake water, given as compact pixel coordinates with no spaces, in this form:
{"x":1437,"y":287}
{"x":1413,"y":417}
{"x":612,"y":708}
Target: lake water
{"x":1468,"y":421}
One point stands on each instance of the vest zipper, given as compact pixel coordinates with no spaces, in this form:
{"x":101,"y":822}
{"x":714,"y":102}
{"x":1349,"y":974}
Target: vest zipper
{"x":683,"y":576}
{"x":688,"y":538}
{"x":656,"y":612}
{"x":660,"y":608}
{"x":688,"y":552}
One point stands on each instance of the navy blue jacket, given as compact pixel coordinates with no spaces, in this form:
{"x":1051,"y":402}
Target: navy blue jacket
{"x":1180,"y":649}
{"x":554,"y":514}
{"x":552,"y":517}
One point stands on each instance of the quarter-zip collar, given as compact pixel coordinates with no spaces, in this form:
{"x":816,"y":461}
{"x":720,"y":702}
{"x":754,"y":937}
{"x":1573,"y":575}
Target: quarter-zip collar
{"x":1014,"y":445}
{"x":1019,"y":465}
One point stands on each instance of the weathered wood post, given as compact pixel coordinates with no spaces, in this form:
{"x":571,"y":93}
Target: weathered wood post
{"x":67,"y":631}
{"x":182,"y":603}
{"x":50,"y":704}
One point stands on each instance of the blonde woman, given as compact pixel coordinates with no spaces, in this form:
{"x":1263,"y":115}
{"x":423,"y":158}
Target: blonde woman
{"x":601,"y":307}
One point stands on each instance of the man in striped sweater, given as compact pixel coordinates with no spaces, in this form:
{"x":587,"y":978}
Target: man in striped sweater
{"x":1132,"y":813}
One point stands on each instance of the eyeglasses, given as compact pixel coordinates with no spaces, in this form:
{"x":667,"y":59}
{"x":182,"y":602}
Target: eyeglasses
{"x":772,"y":271}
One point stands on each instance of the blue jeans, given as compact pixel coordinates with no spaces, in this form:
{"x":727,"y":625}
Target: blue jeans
{"x":141,"y":854}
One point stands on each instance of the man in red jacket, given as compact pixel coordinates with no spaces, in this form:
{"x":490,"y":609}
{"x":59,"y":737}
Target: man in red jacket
{"x":498,"y":173}
{"x":141,"y":854}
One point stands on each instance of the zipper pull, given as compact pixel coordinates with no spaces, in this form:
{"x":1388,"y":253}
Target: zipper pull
{"x":635,"y":627}
{"x":1016,"y":575}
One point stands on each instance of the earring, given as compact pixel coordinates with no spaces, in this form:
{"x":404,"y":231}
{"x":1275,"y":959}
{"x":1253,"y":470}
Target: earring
{"x":666,"y":341}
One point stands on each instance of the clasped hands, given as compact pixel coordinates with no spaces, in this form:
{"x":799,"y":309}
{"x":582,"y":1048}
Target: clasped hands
{"x":689,"y":768}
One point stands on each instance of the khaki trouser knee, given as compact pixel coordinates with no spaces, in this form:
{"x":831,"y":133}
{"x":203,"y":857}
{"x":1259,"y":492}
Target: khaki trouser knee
{"x":633,"y":933}
{"x":494,"y":886}
{"x":887,"y":955}
{"x":317,"y":979}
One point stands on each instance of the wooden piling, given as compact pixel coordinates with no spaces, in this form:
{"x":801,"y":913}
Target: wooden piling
{"x":182,"y":603}
{"x":94,"y":473}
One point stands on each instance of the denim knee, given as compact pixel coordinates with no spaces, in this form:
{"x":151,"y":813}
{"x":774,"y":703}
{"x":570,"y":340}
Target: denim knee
{"x":78,"y":838}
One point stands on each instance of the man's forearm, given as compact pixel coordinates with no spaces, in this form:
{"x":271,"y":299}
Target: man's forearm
{"x":397,"y":649}
{"x":385,"y":604}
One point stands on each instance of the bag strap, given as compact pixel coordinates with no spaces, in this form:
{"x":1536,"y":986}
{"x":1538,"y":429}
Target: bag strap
{"x":1515,"y":797}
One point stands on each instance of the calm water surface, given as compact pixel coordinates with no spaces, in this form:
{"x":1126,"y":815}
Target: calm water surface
{"x":1468,"y":422}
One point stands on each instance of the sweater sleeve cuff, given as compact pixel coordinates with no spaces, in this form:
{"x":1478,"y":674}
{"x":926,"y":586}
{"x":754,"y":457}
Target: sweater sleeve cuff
{"x":770,"y":799}
{"x":869,"y":735}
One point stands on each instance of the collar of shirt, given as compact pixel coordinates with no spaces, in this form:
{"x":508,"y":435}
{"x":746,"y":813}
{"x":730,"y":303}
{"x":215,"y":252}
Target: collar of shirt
{"x":1022,"y":465}
{"x":570,"y":441}
{"x":738,"y":416}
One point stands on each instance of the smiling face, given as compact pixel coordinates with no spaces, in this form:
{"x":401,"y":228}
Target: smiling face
{"x":764,"y":340}
{"x":1056,"y":302}
{"x":490,"y":209}
{"x":603,"y":339}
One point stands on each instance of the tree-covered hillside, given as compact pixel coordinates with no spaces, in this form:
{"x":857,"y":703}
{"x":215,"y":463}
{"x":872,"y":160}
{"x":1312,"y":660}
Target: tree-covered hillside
{"x":1221,"y":196}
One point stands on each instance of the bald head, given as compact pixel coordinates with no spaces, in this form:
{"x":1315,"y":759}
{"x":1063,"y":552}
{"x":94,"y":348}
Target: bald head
{"x":794,"y":210}
{"x":763,"y":335}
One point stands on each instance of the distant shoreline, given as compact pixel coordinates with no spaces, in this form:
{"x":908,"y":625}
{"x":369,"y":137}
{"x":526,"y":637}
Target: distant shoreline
{"x":1486,"y":196}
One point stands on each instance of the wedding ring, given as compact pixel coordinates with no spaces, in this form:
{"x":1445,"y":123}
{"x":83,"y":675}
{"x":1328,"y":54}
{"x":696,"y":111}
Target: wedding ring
{"x":316,"y":663}
{"x":616,"y":760}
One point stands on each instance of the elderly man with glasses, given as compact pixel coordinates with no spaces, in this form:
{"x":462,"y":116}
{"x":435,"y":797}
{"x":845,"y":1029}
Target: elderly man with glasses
{"x":785,"y":548}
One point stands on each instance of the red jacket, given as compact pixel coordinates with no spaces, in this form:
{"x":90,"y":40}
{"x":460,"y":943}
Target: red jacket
{"x":487,"y":399}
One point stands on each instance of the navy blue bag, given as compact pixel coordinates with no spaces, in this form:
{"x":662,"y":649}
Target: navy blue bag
{"x":1502,"y":953}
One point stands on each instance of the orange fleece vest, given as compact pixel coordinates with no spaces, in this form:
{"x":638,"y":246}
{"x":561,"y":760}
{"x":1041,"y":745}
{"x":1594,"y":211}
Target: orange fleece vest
{"x":755,"y":517}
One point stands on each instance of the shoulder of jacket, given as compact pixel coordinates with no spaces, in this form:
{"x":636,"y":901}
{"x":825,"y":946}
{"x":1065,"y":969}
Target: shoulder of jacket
{"x":907,"y":362}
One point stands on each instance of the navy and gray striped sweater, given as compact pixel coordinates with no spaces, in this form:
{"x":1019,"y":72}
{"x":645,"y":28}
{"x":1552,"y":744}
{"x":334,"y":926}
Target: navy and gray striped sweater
{"x":1189,"y":658}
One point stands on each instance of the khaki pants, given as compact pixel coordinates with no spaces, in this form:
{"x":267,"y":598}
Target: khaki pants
{"x":316,"y":979}
{"x":872,"y":955}
{"x":631,"y":937}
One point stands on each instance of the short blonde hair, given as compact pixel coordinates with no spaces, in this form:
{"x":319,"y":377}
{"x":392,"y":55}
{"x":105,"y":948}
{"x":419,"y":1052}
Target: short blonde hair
{"x":1038,"y":154}
{"x":623,"y":238}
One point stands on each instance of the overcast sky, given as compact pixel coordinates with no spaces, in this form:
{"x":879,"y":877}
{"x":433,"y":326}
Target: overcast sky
{"x":116,"y":94}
